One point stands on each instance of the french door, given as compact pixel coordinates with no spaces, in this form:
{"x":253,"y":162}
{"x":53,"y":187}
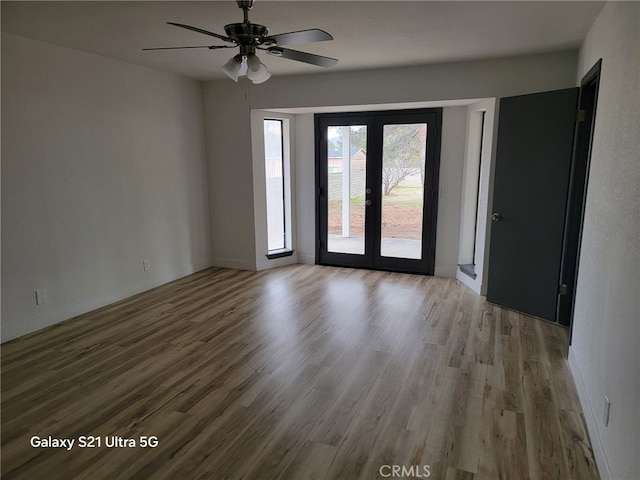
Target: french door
{"x":377,"y":181}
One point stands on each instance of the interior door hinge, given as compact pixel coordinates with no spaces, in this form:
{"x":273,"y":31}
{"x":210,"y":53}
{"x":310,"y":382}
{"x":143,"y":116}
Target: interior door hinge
{"x":581,"y":115}
{"x":563,"y":289}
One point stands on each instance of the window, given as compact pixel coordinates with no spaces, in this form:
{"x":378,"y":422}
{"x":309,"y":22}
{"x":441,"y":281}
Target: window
{"x":471,"y":192}
{"x":278,"y":197}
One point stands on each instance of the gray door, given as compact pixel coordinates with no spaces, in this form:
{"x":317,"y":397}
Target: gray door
{"x":533,"y":157}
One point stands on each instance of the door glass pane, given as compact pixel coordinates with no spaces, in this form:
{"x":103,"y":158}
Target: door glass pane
{"x":403,"y":170}
{"x":346,"y":167}
{"x":275,"y":184}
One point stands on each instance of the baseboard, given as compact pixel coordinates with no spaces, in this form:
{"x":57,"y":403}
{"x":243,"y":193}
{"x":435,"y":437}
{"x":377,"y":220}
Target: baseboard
{"x":468,"y":281}
{"x":307,"y":259}
{"x":265,"y":263}
{"x":592,"y":425}
{"x":60,"y":314}
{"x":233,"y":263}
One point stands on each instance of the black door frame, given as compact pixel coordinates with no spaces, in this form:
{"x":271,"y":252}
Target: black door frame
{"x":375,"y":121}
{"x":577,"y":194}
{"x":322,"y":121}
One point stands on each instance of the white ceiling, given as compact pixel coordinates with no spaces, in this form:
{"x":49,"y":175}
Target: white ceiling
{"x":368,"y":34}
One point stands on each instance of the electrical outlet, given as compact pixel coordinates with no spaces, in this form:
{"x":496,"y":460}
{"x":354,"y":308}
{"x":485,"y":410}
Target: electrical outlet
{"x":41,"y":296}
{"x":606,"y":411}
{"x":146,"y":266}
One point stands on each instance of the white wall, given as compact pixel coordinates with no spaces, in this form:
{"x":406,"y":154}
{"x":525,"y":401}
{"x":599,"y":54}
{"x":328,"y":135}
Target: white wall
{"x":305,"y":189}
{"x":448,"y":81}
{"x":229,"y":153}
{"x":103,"y":165}
{"x":604,"y":352}
{"x":454,"y":127}
{"x":227,"y":118}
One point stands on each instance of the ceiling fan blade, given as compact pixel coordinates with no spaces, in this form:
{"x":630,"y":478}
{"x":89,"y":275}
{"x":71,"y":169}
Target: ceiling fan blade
{"x":302,"y":36}
{"x":302,"y":56}
{"x":210,"y":47}
{"x":199,"y":30}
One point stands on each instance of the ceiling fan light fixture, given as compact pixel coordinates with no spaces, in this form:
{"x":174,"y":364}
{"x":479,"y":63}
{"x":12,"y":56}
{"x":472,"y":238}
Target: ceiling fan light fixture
{"x":266,"y":75}
{"x":233,"y":68}
{"x":256,"y":71}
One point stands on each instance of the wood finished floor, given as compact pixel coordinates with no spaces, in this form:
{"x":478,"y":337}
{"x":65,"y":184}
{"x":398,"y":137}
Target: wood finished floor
{"x":300,"y":372}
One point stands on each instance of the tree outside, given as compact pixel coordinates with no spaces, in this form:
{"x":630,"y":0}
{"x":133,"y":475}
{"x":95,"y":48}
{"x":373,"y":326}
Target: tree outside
{"x":404,"y":148}
{"x":403,"y":173}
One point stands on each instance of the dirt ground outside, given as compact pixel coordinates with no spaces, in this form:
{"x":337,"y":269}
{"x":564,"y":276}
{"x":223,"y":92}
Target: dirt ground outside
{"x":401,"y":215}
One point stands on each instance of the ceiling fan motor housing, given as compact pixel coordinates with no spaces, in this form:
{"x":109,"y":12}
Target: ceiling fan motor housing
{"x":246,"y":32}
{"x":245,"y":4}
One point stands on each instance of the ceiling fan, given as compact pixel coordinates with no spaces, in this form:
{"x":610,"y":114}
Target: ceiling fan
{"x":250,"y":37}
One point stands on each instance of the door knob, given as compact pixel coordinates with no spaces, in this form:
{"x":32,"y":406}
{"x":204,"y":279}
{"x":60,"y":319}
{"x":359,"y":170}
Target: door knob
{"x":368,"y":191}
{"x":496,"y":217}
{"x":368,"y":203}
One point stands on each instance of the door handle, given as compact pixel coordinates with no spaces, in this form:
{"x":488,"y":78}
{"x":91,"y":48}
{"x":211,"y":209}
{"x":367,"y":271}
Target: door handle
{"x":368,"y":191}
{"x":368,"y":203}
{"x":496,"y":217}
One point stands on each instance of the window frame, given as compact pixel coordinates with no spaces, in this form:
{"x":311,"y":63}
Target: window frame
{"x":286,"y":248}
{"x":266,"y":258}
